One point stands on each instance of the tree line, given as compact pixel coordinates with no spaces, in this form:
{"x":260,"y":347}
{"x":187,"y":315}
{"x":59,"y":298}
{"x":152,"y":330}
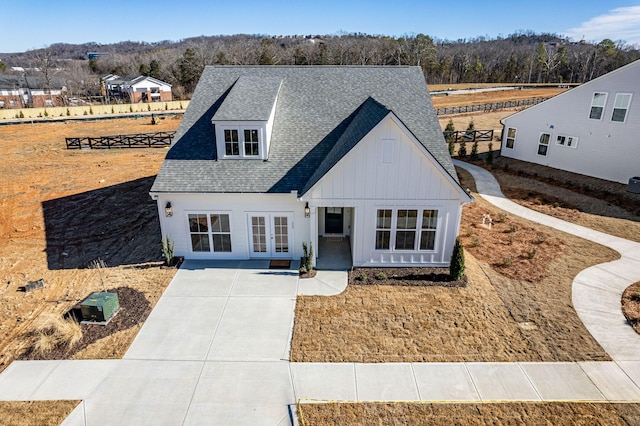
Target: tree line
{"x":522,"y":57}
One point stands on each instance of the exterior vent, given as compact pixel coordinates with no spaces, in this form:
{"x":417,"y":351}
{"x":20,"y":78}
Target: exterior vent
{"x":634,"y":185}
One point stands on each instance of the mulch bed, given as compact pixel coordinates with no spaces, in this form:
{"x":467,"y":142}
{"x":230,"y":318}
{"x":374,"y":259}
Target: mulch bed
{"x":631,"y":305}
{"x":423,"y":277}
{"x":134,"y":309}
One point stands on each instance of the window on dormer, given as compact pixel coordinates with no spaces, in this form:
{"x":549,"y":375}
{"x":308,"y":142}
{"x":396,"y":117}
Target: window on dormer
{"x":251,"y":143}
{"x":231,"y":144}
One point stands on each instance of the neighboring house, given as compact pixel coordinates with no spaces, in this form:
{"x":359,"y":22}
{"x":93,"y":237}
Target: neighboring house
{"x":591,"y":129}
{"x":20,"y":91}
{"x":135,"y":89}
{"x":270,"y":157}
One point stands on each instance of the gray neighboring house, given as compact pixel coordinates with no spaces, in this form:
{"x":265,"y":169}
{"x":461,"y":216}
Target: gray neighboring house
{"x":267,"y":158}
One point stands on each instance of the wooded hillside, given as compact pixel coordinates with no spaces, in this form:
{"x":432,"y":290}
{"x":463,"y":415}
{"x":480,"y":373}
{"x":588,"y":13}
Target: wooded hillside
{"x":523,"y":57}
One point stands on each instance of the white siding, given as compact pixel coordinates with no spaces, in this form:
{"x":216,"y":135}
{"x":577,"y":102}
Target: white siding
{"x":238,"y":206}
{"x":606,"y":149}
{"x":389,"y":170}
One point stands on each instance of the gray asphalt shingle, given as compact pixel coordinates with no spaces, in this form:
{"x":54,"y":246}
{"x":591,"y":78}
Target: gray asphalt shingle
{"x":321,"y":111}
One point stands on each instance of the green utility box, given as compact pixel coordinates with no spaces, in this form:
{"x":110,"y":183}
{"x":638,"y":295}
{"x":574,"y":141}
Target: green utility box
{"x":100,"y":306}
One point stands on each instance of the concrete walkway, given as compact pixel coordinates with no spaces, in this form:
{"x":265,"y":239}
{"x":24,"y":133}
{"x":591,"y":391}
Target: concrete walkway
{"x":215,"y":348}
{"x":596,"y":291}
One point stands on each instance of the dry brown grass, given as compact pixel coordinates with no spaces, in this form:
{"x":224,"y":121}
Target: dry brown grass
{"x":513,"y":413}
{"x":516,"y":306}
{"x":35,"y":413}
{"x":54,"y":331}
{"x":80,"y":189}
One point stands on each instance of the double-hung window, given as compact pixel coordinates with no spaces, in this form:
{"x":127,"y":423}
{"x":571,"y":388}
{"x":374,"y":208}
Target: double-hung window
{"x":620,"y":107}
{"x":543,"y":144}
{"x":210,"y":232}
{"x":408,"y":229}
{"x":251,"y":143}
{"x":511,"y":137}
{"x":428,"y":232}
{"x":568,"y":141}
{"x":231,"y":144}
{"x":597,"y":105}
{"x":383,"y":230}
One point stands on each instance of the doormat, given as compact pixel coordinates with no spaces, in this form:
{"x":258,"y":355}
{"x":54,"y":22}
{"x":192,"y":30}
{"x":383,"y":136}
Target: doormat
{"x":280,"y":264}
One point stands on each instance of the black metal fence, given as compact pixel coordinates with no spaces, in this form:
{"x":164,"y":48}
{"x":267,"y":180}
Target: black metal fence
{"x":469,"y":135}
{"x":492,"y":106}
{"x":140,"y":140}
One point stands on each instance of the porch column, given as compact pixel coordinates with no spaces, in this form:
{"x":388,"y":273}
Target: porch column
{"x":313,"y":232}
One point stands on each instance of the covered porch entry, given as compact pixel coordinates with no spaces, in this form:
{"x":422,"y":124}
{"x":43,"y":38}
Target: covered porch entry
{"x":334,"y":227}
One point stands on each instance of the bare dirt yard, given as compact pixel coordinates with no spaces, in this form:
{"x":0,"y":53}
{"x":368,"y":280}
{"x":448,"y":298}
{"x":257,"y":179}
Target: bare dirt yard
{"x":495,"y":96}
{"x":62,"y":209}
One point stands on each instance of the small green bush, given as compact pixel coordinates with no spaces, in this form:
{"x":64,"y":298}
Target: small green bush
{"x":462,"y":150}
{"x":362,"y":276}
{"x":488,"y":159}
{"x":91,"y":110}
{"x":21,"y":115}
{"x":474,"y":151}
{"x":456,"y":266}
{"x":381,"y":276}
{"x":167,"y":250}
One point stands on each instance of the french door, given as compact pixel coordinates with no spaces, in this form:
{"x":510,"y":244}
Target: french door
{"x":270,"y":235}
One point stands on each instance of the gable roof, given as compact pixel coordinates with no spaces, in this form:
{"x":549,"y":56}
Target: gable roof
{"x":12,"y":82}
{"x":584,"y":86}
{"x":321,"y":113}
{"x":250,"y":99}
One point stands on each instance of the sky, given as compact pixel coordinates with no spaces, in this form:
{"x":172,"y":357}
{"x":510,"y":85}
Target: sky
{"x":33,"y":24}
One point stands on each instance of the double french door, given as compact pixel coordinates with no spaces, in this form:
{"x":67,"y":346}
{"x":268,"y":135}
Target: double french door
{"x":270,"y":235}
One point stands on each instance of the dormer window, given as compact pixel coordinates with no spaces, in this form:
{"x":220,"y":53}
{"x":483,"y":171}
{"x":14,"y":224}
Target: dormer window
{"x":251,"y":142}
{"x":242,"y":141}
{"x":231,"y":144}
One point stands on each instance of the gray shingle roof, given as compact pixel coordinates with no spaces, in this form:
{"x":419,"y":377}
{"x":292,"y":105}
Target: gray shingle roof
{"x":251,"y":98}
{"x":321,"y":113}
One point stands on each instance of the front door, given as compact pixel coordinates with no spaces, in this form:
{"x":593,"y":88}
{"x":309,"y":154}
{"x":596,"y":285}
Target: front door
{"x":270,"y":235}
{"x":333,"y":223}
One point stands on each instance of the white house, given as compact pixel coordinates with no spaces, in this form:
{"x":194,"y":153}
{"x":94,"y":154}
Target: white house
{"x":267,"y":158}
{"x":136,"y":88}
{"x":591,"y":129}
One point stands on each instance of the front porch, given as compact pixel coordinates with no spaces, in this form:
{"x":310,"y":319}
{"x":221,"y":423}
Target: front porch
{"x":334,"y":254}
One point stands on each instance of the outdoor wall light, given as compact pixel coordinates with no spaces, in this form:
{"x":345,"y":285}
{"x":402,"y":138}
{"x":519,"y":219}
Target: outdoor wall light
{"x":168,"y":209}
{"x":307,"y":210}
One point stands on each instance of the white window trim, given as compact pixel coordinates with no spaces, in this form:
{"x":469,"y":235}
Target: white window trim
{"x":546,"y":154}
{"x":604,"y":105}
{"x":507,"y":138}
{"x":209,"y":232}
{"x":418,"y":230}
{"x":613,"y":109}
{"x":573,"y":145}
{"x":241,"y":141}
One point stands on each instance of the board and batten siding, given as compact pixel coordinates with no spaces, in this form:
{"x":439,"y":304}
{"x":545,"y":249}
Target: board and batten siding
{"x":389,"y":169}
{"x":605,"y":149}
{"x":239,"y":207}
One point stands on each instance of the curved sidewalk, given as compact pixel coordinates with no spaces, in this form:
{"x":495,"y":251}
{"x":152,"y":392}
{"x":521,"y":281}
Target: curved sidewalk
{"x":596,"y":291}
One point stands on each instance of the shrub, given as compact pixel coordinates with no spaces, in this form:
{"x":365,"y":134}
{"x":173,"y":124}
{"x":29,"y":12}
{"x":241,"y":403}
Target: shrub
{"x":489,"y":157}
{"x":540,"y":238}
{"x":456,"y":266}
{"x":46,"y":114}
{"x":166,"y":107}
{"x":501,"y":217}
{"x":167,"y":250}
{"x":381,"y":276}
{"x":512,"y":228}
{"x":462,"y":150}
{"x":91,"y":110}
{"x":361,"y":276}
{"x":112,"y":110}
{"x":474,"y":151}
{"x":130,"y":108}
{"x":531,"y":253}
{"x":475,"y":242}
{"x":21,"y":115}
{"x":68,"y":112}
{"x":148,"y":107}
{"x":54,"y":331}
{"x":85,"y":112}
{"x":507,"y":261}
{"x":306,"y":263}
{"x":451,"y":139}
